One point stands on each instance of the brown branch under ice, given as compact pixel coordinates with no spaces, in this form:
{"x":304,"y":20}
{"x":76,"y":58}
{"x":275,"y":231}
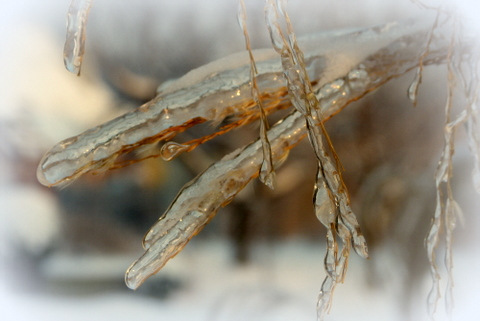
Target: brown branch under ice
{"x":199,"y":200}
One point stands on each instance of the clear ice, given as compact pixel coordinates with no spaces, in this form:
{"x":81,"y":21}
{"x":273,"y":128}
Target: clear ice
{"x":215,"y":91}
{"x":331,"y":201}
{"x":462,"y":73}
{"x":170,"y":150}
{"x":75,"y":42}
{"x":267,"y":173}
{"x":218,"y":185}
{"x":319,"y":75}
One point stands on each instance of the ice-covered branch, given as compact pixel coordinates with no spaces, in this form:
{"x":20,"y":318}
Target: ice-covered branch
{"x":213,"y":92}
{"x":200,"y":199}
{"x":319,"y":75}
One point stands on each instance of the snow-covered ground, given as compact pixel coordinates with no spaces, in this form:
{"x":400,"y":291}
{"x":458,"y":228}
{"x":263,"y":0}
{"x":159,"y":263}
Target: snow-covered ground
{"x":281,"y":283}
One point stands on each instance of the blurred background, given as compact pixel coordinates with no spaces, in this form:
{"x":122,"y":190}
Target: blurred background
{"x":63,"y":252}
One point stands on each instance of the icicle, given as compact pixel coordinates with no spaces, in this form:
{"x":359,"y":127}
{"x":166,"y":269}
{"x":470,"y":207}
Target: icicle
{"x":413,"y":88}
{"x":338,"y":215}
{"x":75,"y":42}
{"x":431,"y":243}
{"x":267,"y":174}
{"x":452,"y":211}
{"x":447,"y":209}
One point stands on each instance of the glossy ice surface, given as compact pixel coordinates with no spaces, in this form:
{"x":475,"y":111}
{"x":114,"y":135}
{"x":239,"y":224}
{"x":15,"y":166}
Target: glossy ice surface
{"x":318,"y":75}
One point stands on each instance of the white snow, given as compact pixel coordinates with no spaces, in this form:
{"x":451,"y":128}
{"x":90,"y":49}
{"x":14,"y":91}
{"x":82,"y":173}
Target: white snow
{"x":281,"y":283}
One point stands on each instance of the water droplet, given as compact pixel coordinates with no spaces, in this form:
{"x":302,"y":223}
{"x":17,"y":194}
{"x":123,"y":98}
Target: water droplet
{"x":170,"y":150}
{"x":360,"y":246}
{"x":325,"y":209}
{"x":357,"y":78}
{"x":413,"y":89}
{"x":267,"y":176}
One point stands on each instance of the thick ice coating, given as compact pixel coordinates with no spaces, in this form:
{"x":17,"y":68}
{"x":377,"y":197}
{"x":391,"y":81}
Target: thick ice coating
{"x":318,"y":75}
{"x":199,"y":200}
{"x":210,"y":93}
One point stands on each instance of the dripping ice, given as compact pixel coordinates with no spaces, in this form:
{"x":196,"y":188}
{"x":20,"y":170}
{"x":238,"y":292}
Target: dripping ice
{"x":170,"y":150}
{"x":76,"y":29}
{"x":267,"y":173}
{"x":332,"y":204}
